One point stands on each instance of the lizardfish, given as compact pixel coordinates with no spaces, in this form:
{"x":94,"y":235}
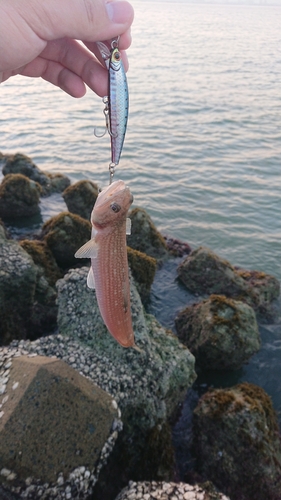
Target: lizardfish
{"x":109,"y":265}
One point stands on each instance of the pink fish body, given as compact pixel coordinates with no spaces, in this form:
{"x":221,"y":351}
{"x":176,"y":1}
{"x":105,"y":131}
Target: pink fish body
{"x":109,"y":265}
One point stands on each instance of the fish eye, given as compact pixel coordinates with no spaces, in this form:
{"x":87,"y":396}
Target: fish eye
{"x":115,"y":207}
{"x":117,"y":56}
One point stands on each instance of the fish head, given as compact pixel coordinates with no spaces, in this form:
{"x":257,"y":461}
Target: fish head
{"x":112,"y":204}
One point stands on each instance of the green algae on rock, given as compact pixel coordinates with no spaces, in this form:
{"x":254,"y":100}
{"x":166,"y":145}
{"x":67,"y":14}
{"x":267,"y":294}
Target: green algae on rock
{"x":144,"y":236}
{"x":81,"y":197}
{"x":64,"y":234}
{"x":221,"y":333}
{"x":237,"y":442}
{"x":143,"y":270}
{"x":19,"y":197}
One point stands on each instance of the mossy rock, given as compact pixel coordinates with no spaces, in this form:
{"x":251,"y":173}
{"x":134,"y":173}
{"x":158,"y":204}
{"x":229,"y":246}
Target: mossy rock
{"x":43,"y":257}
{"x":221,"y":333}
{"x":145,"y":237}
{"x":81,"y":197}
{"x":19,"y":163}
{"x":237,"y":442}
{"x":143,"y":270}
{"x":64,"y":234}
{"x":19,"y":197}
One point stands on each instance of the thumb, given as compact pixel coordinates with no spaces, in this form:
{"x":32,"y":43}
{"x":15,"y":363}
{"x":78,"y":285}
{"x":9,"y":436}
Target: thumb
{"x":89,"y":20}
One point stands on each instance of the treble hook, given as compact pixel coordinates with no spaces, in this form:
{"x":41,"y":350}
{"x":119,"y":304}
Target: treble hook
{"x":105,"y":100}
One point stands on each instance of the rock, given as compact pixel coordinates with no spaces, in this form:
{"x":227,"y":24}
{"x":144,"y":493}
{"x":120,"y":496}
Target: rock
{"x":27,"y":302}
{"x":221,"y":333}
{"x":19,"y":197}
{"x":145,"y":237}
{"x":176,"y":247}
{"x":203,"y":272}
{"x":22,"y":164}
{"x":175,"y":491}
{"x":148,"y":386}
{"x":143,"y":270}
{"x":237,"y":442}
{"x":43,"y":258}
{"x":262,"y":289}
{"x":64,"y":234}
{"x":60,"y":426}
{"x":81,"y":197}
{"x":163,"y":358}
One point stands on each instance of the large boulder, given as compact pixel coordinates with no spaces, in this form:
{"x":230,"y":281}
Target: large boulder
{"x":19,"y":163}
{"x":175,"y":491}
{"x":221,"y":333}
{"x":64,"y":234}
{"x":204,"y":272}
{"x":144,"y":236}
{"x":43,"y":258}
{"x":57,"y":428}
{"x":81,"y":197}
{"x":27,"y":301}
{"x":132,"y":376}
{"x":237,"y":442}
{"x":19,"y":197}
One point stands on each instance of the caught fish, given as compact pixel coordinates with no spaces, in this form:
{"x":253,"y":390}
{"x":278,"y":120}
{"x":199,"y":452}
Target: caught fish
{"x":117,"y":102}
{"x":107,"y":250}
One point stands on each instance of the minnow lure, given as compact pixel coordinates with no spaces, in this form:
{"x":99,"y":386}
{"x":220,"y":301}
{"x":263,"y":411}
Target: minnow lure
{"x":117,"y":102}
{"x":109,"y":264}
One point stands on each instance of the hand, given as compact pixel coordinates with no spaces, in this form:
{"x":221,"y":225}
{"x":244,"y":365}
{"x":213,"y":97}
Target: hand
{"x":40,"y":39}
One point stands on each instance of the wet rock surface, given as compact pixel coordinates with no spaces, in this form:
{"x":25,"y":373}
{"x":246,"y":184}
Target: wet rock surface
{"x":144,"y":236}
{"x":221,"y":333}
{"x":81,"y":197}
{"x":143,"y":270}
{"x":237,"y":442}
{"x":19,"y":197}
{"x":19,"y":163}
{"x":204,"y":272}
{"x":60,"y":426}
{"x":64,"y":234}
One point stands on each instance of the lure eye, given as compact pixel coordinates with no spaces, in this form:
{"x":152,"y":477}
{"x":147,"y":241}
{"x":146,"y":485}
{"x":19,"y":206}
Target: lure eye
{"x":115,"y":207}
{"x":117,"y":56}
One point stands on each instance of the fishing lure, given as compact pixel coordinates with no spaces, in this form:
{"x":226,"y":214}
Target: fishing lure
{"x":116,"y":103}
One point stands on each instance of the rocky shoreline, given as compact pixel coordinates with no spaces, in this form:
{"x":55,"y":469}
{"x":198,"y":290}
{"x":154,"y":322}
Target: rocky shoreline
{"x":51,"y":331}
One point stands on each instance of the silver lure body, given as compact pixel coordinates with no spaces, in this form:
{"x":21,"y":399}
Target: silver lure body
{"x":118,"y":104}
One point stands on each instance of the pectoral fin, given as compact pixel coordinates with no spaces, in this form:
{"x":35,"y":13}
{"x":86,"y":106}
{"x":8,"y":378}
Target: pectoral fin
{"x":128,"y":226}
{"x":89,"y":250}
{"x":91,"y":279}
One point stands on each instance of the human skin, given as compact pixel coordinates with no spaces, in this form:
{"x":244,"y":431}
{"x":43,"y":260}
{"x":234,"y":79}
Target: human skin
{"x":42,"y":38}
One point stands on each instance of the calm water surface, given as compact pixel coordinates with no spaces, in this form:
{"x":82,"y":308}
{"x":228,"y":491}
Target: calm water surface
{"x":203,"y":148}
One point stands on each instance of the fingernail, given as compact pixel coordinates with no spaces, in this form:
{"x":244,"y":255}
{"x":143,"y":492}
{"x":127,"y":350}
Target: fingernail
{"x":117,"y":12}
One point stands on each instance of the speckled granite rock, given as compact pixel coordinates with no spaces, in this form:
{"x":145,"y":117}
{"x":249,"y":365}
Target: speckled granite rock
{"x":19,"y":163}
{"x":148,"y":386}
{"x":60,"y":426}
{"x":221,"y":333}
{"x":19,"y":197}
{"x":169,"y":491}
{"x":204,"y":272}
{"x":237,"y":442}
{"x":64,"y":234}
{"x":144,"y":236}
{"x":81,"y":197}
